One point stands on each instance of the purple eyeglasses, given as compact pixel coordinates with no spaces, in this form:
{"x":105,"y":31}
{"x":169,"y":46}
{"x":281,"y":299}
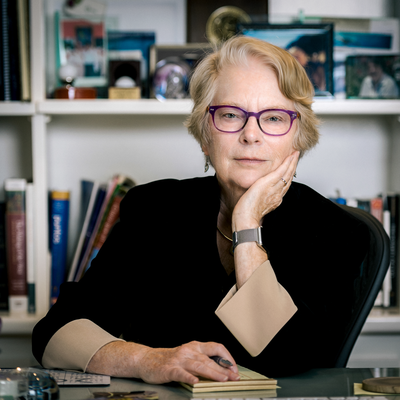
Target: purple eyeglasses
{"x":231,"y":119}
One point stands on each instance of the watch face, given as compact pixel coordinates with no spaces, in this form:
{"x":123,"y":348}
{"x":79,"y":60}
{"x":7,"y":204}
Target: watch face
{"x":221,"y":25}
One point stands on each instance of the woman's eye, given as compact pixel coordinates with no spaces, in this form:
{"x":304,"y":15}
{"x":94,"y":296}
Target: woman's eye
{"x":230,"y":116}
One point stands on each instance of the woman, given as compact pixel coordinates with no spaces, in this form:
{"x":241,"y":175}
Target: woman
{"x":170,"y":280}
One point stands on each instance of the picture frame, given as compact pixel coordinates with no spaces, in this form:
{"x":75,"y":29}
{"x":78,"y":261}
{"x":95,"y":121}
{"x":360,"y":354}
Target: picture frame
{"x":371,"y":76}
{"x":311,"y":44}
{"x":83,"y":44}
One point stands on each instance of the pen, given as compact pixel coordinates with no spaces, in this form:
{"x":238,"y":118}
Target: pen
{"x":222,"y":361}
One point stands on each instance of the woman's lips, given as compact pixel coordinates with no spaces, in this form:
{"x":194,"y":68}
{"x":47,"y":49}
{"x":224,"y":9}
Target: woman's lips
{"x":250,"y":160}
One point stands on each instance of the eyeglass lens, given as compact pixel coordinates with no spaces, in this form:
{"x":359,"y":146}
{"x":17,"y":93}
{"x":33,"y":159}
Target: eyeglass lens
{"x":273,"y":122}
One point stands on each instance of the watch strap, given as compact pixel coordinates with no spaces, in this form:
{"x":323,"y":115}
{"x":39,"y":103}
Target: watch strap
{"x":247,"y":235}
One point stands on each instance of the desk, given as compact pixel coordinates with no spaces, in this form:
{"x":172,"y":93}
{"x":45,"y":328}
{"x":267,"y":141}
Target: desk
{"x":328,"y":382}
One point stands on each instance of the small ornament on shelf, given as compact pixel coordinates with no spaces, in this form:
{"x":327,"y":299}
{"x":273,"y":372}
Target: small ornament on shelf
{"x":67,"y":73}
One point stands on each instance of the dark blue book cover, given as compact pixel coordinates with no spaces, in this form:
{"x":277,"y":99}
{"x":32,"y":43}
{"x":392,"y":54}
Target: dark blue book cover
{"x":100,"y":197}
{"x":59,"y":214}
{"x":3,"y":265}
{"x":13,"y":45}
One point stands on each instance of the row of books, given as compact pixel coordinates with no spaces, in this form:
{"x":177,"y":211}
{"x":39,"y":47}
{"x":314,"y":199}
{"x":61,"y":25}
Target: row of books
{"x":385,"y":208}
{"x":99,"y":212}
{"x":14,"y":51}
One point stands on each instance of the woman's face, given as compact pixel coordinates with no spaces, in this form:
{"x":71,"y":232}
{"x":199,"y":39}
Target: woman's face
{"x":243,"y":157}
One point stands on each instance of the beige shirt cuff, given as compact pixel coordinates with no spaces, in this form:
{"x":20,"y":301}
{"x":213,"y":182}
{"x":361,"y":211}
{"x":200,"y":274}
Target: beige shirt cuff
{"x":258,"y":310}
{"x":74,"y":345}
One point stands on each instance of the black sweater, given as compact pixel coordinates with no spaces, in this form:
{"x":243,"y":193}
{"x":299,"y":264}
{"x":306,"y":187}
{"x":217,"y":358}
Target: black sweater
{"x":158,"y":278}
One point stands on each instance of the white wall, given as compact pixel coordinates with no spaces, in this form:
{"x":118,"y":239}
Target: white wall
{"x":329,"y":8}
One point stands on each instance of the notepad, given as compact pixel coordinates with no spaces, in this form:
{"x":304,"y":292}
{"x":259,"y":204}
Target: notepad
{"x":249,"y":380}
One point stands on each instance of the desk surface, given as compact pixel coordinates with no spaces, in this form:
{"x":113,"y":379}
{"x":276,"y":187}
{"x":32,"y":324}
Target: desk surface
{"x":315,"y":383}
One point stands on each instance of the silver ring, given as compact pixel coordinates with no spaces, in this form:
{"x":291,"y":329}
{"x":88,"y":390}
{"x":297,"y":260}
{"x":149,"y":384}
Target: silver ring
{"x":284,"y":181}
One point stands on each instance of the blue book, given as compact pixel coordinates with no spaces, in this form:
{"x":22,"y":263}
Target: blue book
{"x":59,"y":214}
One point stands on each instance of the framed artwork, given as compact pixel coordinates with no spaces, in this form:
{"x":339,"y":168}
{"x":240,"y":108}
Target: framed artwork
{"x":311,"y":44}
{"x":373,"y":76}
{"x":82,"y":44}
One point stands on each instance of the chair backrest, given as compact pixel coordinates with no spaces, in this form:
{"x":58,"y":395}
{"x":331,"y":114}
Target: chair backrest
{"x":373,"y":272}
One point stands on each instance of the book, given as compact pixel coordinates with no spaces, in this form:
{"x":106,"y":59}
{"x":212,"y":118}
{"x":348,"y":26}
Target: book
{"x":392,"y":204}
{"x":92,"y":187}
{"x":13,"y":51}
{"x":3,"y":264}
{"x":386,"y":286}
{"x":15,"y":190}
{"x":59,"y":219}
{"x":376,"y":208}
{"x":24,"y":57}
{"x":91,"y":229}
{"x":249,"y":380}
{"x":30,"y":248}
{"x":6,"y":92}
{"x":1,"y":53}
{"x":118,"y":189}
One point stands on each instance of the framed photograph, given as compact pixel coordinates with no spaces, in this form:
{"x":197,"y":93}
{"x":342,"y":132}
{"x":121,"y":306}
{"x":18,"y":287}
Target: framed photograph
{"x":176,"y":59}
{"x":82,"y":44}
{"x":311,"y":44}
{"x":373,"y":76}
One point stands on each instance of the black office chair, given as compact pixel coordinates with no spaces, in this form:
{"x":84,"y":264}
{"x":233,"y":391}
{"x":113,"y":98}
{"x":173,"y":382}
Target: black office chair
{"x":373,"y":272}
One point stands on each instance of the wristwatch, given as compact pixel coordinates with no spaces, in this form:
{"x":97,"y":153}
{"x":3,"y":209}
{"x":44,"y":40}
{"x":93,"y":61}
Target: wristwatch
{"x":247,"y":235}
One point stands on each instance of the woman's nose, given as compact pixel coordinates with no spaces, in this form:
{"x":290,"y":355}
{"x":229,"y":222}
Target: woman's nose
{"x":251,"y":132}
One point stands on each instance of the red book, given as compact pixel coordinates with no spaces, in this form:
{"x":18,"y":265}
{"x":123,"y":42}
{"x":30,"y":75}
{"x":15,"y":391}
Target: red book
{"x":15,"y":190}
{"x":377,"y":208}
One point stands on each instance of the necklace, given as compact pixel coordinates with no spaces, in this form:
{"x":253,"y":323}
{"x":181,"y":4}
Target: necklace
{"x":223,"y":234}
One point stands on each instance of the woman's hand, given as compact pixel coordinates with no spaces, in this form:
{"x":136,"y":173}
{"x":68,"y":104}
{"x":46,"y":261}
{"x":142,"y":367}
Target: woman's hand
{"x":264,"y":195}
{"x":159,"y":365}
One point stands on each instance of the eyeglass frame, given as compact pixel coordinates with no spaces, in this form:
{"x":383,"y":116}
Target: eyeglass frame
{"x":293,"y":115}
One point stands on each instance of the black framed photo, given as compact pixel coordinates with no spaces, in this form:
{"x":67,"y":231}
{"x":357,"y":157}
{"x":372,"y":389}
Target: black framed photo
{"x":311,"y":44}
{"x":373,"y":76}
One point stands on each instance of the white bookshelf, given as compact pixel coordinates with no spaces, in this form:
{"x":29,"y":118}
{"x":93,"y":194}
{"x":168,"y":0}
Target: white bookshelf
{"x":183,"y":107}
{"x":136,"y":113}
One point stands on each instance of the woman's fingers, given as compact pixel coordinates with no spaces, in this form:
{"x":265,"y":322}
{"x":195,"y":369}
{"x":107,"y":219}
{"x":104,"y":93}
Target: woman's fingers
{"x":284,"y":174}
{"x":185,"y":363}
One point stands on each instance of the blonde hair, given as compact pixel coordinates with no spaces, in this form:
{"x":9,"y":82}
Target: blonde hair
{"x":292,"y":80}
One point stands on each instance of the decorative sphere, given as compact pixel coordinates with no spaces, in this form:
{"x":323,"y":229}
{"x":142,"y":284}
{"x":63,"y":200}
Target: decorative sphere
{"x":67,"y":73}
{"x":125,"y":82}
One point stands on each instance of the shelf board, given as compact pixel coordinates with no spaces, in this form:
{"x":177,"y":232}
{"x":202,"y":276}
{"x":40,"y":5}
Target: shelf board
{"x":16,"y":108}
{"x":18,"y":324}
{"x":108,"y":107}
{"x":356,"y":107}
{"x":183,"y":107}
{"x":382,"y":321}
